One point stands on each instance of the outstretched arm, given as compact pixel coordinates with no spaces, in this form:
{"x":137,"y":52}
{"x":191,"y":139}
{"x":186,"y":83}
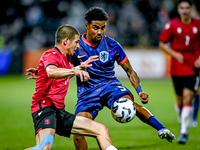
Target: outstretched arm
{"x":55,"y":72}
{"x":135,"y":81}
{"x":33,"y":72}
{"x":171,"y":52}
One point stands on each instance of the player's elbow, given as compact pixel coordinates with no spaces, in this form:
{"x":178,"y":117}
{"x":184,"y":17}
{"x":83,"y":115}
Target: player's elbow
{"x":161,"y":45}
{"x":50,"y":75}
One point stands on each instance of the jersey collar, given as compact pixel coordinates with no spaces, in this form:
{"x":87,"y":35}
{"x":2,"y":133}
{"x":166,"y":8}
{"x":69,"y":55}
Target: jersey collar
{"x":57,"y":50}
{"x":90,"y":44}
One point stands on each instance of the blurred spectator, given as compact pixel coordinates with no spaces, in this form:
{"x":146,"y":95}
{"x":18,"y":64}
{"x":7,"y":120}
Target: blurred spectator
{"x":30,"y":24}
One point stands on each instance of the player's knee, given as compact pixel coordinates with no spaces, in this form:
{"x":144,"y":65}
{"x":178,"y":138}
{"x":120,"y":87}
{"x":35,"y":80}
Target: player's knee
{"x":138,"y":108}
{"x":103,"y":130}
{"x":187,"y":100}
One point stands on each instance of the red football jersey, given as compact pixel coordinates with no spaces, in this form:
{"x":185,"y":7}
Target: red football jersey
{"x":184,"y":38}
{"x":49,"y":89}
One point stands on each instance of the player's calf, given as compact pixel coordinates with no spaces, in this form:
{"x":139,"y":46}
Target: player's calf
{"x":44,"y":144}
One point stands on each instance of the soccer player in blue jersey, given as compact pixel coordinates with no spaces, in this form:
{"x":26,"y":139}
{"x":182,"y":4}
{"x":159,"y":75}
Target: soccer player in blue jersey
{"x":104,"y":88}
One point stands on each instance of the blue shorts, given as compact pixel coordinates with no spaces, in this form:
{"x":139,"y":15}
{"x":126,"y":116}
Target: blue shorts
{"x":104,"y":95}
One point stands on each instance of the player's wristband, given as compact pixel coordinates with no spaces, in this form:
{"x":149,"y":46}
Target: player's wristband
{"x":77,"y":68}
{"x":138,"y":89}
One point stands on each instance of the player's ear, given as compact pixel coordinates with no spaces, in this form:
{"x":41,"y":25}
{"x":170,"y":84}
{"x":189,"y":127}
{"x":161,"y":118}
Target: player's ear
{"x":65,"y":41}
{"x":87,"y":26}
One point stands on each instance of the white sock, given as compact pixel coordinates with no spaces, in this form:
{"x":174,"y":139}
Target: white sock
{"x":178,"y":111}
{"x":111,"y":147}
{"x":186,"y":118}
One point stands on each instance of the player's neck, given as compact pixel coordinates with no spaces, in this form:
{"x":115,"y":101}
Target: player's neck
{"x":89,"y":39}
{"x":62,"y":50}
{"x":186,"y":20}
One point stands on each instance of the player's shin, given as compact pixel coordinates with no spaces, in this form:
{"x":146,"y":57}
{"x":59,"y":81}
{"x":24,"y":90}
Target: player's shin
{"x":146,"y":116}
{"x":155,"y":123}
{"x":80,"y":142}
{"x":186,"y":118}
{"x":178,"y":111}
{"x":47,"y":139}
{"x":105,"y":142}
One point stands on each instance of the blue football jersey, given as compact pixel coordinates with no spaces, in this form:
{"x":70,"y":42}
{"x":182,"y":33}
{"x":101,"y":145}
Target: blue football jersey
{"x":102,"y":71}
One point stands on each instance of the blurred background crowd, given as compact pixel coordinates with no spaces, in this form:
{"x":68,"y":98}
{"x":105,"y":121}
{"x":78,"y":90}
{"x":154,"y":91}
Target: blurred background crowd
{"x":31,"y":24}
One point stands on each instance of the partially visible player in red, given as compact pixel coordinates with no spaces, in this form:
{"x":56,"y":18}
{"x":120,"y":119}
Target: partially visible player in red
{"x":183,"y":34}
{"x":49,"y":115}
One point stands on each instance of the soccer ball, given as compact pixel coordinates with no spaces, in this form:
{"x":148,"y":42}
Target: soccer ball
{"x":123,"y":110}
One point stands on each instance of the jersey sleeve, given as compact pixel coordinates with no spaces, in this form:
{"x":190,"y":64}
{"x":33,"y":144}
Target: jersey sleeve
{"x":166,"y":34}
{"x":120,"y":55}
{"x":50,"y":59}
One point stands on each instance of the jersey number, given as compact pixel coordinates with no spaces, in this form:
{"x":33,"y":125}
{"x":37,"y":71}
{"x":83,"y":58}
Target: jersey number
{"x":122,"y":88}
{"x":187,"y":40}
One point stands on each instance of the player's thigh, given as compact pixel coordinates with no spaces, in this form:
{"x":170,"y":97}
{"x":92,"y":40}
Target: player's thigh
{"x":178,"y":83}
{"x":85,"y":126}
{"x":191,"y":82}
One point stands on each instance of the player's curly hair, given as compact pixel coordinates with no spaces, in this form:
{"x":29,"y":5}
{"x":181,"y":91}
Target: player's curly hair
{"x":65,"y":31}
{"x":189,"y":1}
{"x":96,"y":13}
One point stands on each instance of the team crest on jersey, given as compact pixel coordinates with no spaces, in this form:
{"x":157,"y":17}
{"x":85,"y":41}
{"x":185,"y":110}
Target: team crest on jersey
{"x":195,"y":30}
{"x":179,"y":30}
{"x":103,"y":56}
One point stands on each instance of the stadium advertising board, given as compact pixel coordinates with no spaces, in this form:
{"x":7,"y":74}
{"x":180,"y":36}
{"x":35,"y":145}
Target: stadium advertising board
{"x":148,"y":63}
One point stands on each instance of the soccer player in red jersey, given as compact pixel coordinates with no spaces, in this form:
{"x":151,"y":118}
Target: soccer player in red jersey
{"x":183,"y":34}
{"x":54,"y":73}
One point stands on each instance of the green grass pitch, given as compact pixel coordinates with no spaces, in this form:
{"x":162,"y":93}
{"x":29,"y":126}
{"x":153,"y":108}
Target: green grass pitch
{"x":17,"y":132}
